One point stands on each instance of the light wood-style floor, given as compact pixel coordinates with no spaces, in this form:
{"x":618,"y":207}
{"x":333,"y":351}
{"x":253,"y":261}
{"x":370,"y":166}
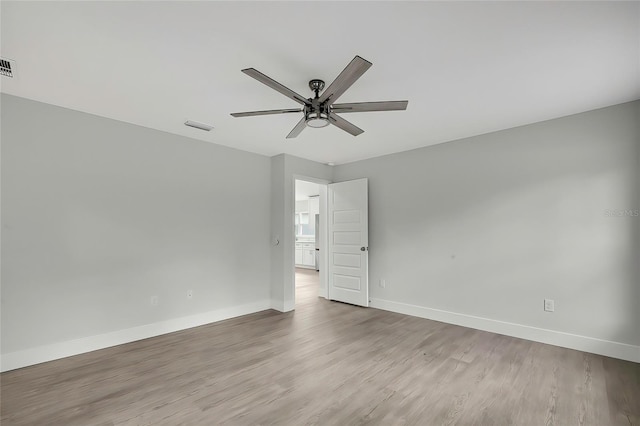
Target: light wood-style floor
{"x":327,"y":363}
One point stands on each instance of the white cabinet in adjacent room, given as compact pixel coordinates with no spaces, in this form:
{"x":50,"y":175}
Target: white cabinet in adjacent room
{"x":309,"y":257}
{"x":299,"y":254}
{"x":305,"y":254}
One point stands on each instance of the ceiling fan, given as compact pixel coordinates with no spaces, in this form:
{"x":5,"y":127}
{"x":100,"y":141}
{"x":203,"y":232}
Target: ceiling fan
{"x":321,"y":110}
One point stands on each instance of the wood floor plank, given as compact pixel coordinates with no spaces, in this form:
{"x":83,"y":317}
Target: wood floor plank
{"x":327,"y":363}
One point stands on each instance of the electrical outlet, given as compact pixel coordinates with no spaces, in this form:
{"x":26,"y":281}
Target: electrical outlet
{"x":383,"y":283}
{"x":189,"y":294}
{"x":549,"y":305}
{"x":155,"y":300}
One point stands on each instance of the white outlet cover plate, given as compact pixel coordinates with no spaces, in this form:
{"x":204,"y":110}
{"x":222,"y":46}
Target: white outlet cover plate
{"x":549,"y":305}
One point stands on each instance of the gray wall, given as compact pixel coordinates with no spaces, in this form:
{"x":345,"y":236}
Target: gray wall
{"x":491,"y":225}
{"x":99,"y":215}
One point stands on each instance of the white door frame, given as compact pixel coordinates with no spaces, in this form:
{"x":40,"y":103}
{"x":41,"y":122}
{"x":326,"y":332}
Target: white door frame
{"x":324,"y":282}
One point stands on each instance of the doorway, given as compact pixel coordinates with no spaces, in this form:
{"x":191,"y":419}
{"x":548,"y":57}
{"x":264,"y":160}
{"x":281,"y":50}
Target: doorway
{"x":310,"y":240}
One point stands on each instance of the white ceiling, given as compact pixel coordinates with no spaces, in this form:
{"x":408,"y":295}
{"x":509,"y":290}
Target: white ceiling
{"x":466,"y":68}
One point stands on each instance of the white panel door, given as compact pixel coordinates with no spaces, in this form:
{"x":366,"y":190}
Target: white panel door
{"x":348,"y":242}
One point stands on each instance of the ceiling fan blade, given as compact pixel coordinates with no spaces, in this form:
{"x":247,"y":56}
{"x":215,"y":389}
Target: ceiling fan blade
{"x":299,"y":128}
{"x":267,"y":112}
{"x":252,"y":72}
{"x":344,"y":125}
{"x":370,"y":106}
{"x":347,"y":77}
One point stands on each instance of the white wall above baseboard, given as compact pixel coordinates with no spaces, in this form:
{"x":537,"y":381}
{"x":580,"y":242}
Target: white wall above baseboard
{"x":557,"y":338}
{"x":24,"y":358}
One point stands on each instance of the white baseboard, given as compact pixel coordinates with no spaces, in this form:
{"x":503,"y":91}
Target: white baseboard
{"x":289,"y":305}
{"x":322,"y":292}
{"x":277,"y":305}
{"x":557,"y":338}
{"x":24,"y":358}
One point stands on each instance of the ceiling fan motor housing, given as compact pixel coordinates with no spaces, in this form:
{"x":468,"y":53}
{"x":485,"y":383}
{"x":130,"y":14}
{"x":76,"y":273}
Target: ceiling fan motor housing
{"x":316,"y":114}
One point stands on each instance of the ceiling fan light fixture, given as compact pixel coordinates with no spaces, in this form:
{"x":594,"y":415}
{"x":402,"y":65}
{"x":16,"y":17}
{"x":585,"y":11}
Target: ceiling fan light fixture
{"x":317,"y":119}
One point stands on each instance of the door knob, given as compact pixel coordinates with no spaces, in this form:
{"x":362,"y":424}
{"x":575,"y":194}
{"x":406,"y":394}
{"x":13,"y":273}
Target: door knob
{"x":363,"y":248}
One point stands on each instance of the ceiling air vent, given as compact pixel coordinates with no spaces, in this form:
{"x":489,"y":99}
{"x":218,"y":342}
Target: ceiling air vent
{"x":7,"y":67}
{"x":197,"y":125}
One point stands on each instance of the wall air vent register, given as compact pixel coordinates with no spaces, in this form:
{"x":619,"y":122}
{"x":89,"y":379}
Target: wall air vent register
{"x":7,"y":67}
